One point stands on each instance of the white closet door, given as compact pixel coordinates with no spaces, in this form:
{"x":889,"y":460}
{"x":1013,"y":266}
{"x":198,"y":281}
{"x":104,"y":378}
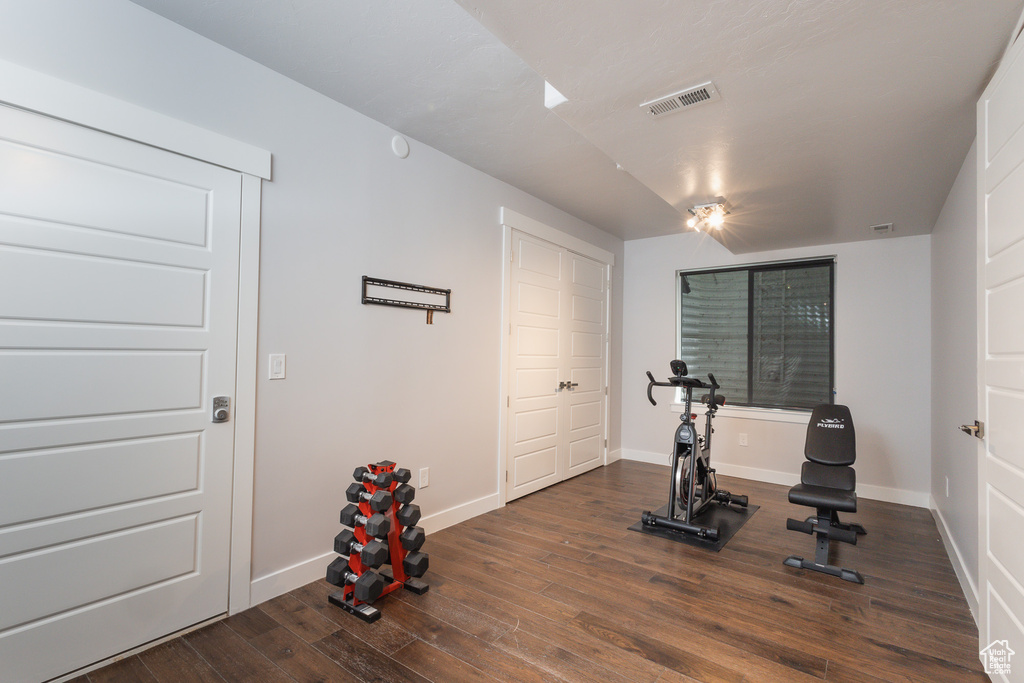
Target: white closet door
{"x":1001,"y":368}
{"x":557,"y":355}
{"x":585,"y":365}
{"x":539,"y":341}
{"x":118,"y":314}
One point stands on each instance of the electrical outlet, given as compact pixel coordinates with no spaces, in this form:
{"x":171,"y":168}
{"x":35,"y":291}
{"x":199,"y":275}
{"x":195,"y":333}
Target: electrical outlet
{"x":743,"y":439}
{"x":424,"y":477}
{"x":277,"y":365}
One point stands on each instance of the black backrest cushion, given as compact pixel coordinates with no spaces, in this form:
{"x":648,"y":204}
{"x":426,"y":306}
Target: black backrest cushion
{"x":830,"y":436}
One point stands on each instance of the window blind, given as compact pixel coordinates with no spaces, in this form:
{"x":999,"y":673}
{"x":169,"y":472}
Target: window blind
{"x":764,"y":331}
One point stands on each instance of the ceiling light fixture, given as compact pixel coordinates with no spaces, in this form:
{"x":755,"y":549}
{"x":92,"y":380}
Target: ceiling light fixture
{"x":708,"y":216}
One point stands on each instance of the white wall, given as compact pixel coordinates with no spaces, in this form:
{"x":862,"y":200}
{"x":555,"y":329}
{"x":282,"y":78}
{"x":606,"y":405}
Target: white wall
{"x":883,"y":366}
{"x":955,"y":374}
{"x":364,"y":383}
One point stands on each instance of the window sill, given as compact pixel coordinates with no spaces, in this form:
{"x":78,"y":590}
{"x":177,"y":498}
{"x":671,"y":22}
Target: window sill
{"x":751,"y":413}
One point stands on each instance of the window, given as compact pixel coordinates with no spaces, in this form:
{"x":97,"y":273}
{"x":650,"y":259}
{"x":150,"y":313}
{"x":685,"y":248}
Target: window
{"x":765,"y":331}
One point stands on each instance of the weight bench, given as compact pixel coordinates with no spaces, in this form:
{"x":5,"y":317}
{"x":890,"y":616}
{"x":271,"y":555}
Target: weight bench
{"x":828,"y":484}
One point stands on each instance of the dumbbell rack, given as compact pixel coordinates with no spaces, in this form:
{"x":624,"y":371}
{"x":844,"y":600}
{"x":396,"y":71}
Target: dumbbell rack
{"x":402,"y":516}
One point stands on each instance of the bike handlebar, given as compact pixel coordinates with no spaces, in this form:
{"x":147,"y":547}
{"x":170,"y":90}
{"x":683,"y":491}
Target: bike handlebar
{"x":678,"y":381}
{"x":653,"y":383}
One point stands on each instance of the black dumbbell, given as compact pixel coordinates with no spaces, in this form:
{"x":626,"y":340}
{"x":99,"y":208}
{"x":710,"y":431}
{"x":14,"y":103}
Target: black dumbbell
{"x":373,"y":554}
{"x":409,"y":514}
{"x":416,"y":563}
{"x":402,"y":475}
{"x":368,"y":585}
{"x":412,"y":537}
{"x":377,"y":525}
{"x":404,"y":493}
{"x":363,"y":474}
{"x":379,"y":500}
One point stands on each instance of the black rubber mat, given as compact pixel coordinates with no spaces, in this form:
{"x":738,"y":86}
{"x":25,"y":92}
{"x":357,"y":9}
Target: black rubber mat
{"x":728,"y":519}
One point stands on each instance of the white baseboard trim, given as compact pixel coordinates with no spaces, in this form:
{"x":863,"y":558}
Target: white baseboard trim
{"x":460,"y":513}
{"x":918,"y":499}
{"x":645,"y":456}
{"x":968,"y":586}
{"x":614,"y":456}
{"x":298,"y":575}
{"x":758,"y":474}
{"x":287,"y":579}
{"x":883,"y":493}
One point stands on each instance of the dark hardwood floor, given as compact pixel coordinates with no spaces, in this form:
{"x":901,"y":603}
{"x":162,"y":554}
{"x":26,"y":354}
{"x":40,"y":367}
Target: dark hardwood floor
{"x":553,"y":587}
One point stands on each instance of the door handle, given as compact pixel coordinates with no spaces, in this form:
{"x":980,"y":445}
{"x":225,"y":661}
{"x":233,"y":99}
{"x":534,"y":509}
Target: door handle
{"x":570,"y":385}
{"x":562,"y":385}
{"x":221,"y":409}
{"x":977,"y":429}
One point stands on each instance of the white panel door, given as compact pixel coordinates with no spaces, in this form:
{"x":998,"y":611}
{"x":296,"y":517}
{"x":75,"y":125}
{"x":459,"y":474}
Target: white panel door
{"x":557,"y":353}
{"x":584,"y":364}
{"x":118,"y":310}
{"x":1001,"y":368}
{"x":539,"y":342}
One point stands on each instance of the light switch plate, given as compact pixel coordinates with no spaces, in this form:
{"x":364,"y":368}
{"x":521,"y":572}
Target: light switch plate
{"x":277,"y":366}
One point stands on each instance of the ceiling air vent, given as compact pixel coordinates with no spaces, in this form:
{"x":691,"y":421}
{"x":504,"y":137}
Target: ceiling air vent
{"x":684,"y":99}
{"x":881,"y":228}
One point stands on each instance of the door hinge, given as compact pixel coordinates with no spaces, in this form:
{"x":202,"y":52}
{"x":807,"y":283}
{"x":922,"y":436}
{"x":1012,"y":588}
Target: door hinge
{"x":506,"y":475}
{"x":606,"y":443}
{"x":606,"y":391}
{"x":508,"y":402}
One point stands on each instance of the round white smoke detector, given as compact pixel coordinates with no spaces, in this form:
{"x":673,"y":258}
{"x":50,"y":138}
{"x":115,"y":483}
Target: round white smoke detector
{"x":400,"y":146}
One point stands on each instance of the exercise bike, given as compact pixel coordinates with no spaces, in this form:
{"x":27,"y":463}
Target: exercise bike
{"x":692,"y":486}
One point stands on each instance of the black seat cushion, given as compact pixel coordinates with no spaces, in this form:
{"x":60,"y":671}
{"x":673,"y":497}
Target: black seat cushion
{"x":830,"y":436}
{"x":823,"y":497}
{"x":828,"y":476}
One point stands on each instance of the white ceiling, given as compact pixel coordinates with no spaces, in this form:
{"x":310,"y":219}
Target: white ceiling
{"x":834,"y":115}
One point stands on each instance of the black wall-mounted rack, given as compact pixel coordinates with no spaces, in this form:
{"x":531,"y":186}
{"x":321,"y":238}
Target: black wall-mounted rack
{"x":446,"y":307}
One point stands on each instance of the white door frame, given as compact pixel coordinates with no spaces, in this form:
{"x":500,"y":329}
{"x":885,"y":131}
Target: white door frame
{"x":512,"y":220}
{"x":52,"y":97}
